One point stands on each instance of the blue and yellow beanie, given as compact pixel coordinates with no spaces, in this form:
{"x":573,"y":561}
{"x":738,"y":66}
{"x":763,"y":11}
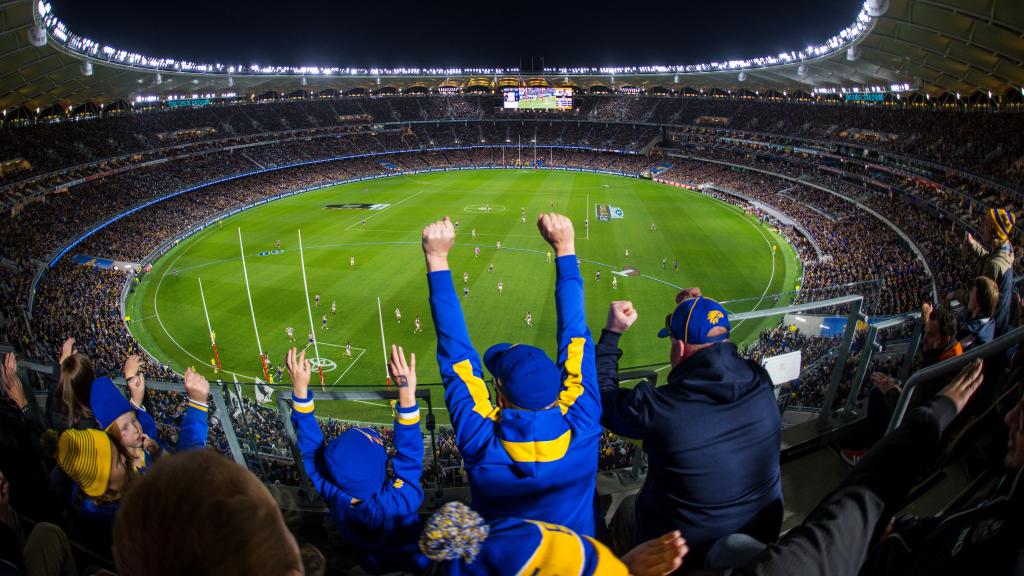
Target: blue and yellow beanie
{"x":1002,"y":223}
{"x":455,"y":532}
{"x":356,"y":462}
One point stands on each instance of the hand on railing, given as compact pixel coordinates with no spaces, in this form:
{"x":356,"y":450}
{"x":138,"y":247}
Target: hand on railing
{"x":884,"y":383}
{"x":965,"y":384}
{"x":404,"y":375}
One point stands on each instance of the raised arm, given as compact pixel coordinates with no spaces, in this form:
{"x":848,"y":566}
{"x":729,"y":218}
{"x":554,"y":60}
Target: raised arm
{"x":579,"y":399}
{"x":465,"y":393}
{"x":307,"y":430}
{"x":408,"y":459}
{"x":194,"y":425}
{"x":623,"y":410}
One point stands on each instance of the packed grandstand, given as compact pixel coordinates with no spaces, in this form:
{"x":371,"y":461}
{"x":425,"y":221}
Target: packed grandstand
{"x":881,"y":202}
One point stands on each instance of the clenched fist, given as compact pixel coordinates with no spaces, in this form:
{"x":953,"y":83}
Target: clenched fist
{"x":621,"y":315}
{"x":438,"y":239}
{"x":557,"y":230}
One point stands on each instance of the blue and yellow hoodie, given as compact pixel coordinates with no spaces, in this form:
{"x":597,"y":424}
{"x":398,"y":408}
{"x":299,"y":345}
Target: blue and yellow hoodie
{"x":539,"y":464}
{"x":385,"y":527}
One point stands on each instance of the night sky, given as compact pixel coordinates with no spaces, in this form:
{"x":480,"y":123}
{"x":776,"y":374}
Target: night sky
{"x":400,"y":33}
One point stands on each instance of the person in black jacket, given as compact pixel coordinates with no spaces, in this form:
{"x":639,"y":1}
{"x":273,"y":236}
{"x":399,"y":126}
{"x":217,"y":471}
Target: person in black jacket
{"x":712,"y":434}
{"x":21,"y":457}
{"x":850,"y":532}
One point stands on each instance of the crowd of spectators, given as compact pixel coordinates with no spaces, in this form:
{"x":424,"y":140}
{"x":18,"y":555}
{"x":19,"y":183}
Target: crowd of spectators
{"x":857,"y":250}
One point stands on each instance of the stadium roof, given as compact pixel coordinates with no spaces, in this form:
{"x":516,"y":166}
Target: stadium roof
{"x":931,"y":46}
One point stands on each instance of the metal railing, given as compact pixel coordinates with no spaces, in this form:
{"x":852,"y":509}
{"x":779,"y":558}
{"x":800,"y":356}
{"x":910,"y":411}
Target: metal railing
{"x":871,"y":345}
{"x":947,"y":367}
{"x":241,"y":438}
{"x":855,"y":302}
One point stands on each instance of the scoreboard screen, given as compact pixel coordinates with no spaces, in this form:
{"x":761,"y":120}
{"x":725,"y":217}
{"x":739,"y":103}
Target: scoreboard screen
{"x":538,"y":98}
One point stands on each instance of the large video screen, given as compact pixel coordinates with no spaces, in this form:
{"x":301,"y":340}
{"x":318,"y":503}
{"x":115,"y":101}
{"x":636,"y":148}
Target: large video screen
{"x":538,"y":98}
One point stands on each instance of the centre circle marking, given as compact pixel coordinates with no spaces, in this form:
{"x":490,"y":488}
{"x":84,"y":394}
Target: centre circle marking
{"x":326,"y":363}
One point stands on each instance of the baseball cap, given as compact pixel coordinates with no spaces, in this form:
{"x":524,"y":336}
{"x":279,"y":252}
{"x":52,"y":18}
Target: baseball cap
{"x":529,"y":379}
{"x":693,"y":318}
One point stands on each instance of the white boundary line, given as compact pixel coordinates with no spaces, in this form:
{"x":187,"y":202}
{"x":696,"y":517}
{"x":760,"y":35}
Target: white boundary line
{"x":383,"y":343}
{"x":586,"y":217}
{"x":309,"y":310}
{"x":205,"y":312}
{"x":770,"y":279}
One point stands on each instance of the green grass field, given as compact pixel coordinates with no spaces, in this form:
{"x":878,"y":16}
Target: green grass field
{"x":544,"y":102}
{"x":719,"y":248}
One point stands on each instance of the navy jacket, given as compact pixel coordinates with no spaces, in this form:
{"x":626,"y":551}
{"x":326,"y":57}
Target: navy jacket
{"x":712,"y":438}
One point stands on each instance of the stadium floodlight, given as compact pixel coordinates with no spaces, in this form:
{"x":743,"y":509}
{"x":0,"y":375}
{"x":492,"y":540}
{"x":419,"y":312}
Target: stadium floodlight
{"x":801,"y":70}
{"x":86,"y":68}
{"x":876,"y":8}
{"x":37,"y":36}
{"x":742,"y":76}
{"x":853,"y":53}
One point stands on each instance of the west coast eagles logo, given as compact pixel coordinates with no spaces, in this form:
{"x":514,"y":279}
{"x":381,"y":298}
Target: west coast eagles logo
{"x":714,"y":316}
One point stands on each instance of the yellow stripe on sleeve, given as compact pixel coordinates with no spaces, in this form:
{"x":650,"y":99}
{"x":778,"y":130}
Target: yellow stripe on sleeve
{"x":477,"y":390}
{"x":573,"y":385}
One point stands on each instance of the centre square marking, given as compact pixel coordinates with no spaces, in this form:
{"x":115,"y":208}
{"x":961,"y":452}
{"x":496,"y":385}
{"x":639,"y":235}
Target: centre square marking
{"x":484,"y":209}
{"x":327,"y":364}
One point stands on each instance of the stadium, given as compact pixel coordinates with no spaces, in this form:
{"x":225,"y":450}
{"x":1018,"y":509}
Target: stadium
{"x":177,"y":232}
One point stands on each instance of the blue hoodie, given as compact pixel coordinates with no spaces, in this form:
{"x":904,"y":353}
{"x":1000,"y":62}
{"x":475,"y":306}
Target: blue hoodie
{"x":383,"y":528}
{"x":537,"y":464}
{"x":712,"y":438}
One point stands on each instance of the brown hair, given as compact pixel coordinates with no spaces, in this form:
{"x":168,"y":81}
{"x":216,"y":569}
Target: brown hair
{"x":190,"y":501}
{"x":76,"y":377}
{"x":986,"y":293}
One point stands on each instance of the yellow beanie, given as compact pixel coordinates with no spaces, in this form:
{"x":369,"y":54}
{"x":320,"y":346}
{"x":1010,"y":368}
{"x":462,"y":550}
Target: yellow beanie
{"x":84,"y":455}
{"x":1002,"y":223}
